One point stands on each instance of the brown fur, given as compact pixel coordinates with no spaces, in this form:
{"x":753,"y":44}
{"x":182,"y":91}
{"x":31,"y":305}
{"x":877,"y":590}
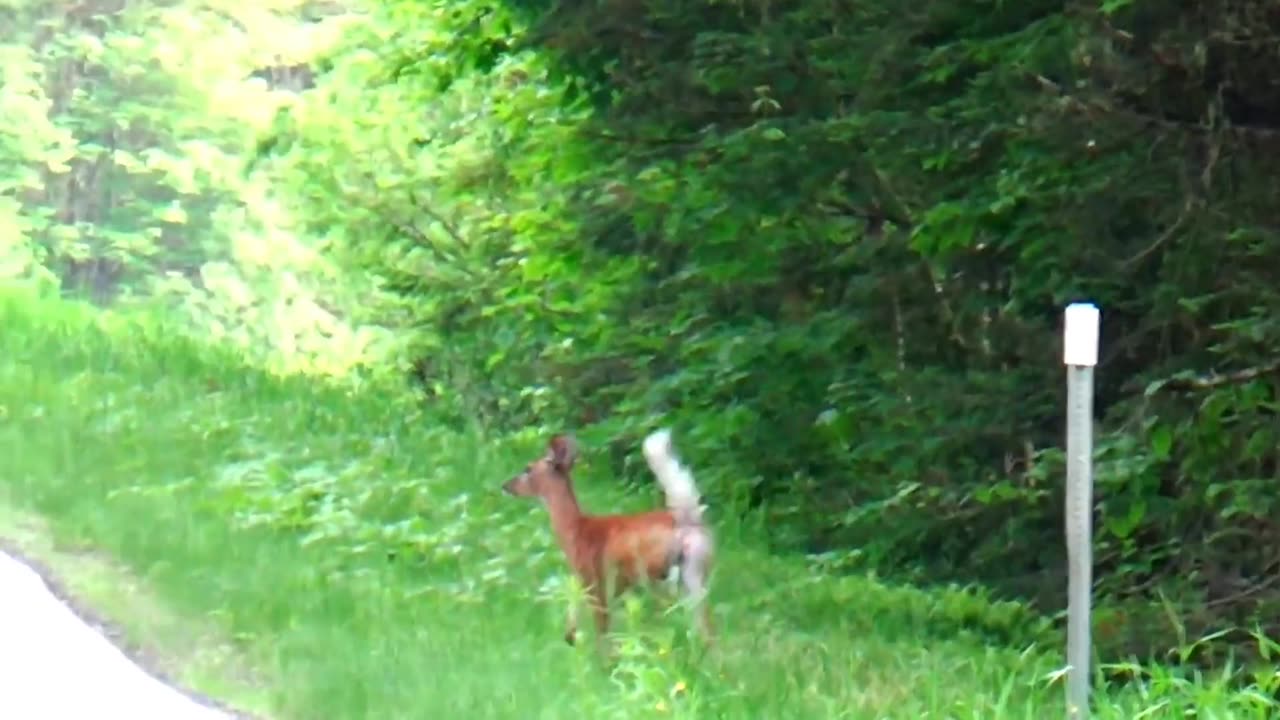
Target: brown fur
{"x":618,"y":550}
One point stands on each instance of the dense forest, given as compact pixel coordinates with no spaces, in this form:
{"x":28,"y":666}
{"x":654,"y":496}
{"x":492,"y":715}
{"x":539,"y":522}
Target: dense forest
{"x":829,"y":241}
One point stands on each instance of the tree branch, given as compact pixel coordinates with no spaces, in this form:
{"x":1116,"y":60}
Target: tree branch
{"x":1092,"y":106}
{"x":1214,"y":380}
{"x":431,"y":213}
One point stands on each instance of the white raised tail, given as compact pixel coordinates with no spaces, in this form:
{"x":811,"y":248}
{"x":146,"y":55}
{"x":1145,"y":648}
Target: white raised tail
{"x":676,"y":480}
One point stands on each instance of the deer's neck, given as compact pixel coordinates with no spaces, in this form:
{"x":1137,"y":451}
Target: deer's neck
{"x":566,"y":519}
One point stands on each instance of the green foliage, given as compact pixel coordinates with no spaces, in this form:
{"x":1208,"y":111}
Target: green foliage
{"x":124,"y":135}
{"x":831,"y":242}
{"x":360,"y":556}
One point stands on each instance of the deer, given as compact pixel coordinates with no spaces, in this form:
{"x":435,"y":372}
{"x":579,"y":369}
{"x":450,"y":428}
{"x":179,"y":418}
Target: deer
{"x":613,"y":553}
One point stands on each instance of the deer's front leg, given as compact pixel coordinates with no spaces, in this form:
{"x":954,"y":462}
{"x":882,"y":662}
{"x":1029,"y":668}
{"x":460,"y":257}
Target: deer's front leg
{"x":599,"y":599}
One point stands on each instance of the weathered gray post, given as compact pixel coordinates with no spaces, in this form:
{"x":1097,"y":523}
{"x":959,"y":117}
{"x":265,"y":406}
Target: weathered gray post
{"x":1080,"y":355}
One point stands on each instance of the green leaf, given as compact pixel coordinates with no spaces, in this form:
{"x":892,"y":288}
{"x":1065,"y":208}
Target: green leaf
{"x":1161,"y":441}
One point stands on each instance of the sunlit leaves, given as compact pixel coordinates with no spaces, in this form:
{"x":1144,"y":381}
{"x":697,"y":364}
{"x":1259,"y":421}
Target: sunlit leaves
{"x":129,"y":136}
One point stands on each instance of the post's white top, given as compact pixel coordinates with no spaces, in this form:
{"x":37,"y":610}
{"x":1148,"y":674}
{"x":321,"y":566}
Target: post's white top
{"x":1080,"y":346}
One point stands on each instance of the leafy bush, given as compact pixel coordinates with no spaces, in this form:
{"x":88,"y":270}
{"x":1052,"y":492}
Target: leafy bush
{"x":833,"y":243}
{"x":125,"y":134}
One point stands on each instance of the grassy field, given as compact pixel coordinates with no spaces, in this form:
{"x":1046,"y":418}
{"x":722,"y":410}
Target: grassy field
{"x":359,"y":562}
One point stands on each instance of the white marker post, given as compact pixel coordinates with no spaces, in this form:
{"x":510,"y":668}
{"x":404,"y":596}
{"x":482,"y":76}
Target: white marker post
{"x":1080,"y":355}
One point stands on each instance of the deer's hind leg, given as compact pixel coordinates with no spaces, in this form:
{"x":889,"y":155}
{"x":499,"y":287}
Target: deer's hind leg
{"x":695,"y":576}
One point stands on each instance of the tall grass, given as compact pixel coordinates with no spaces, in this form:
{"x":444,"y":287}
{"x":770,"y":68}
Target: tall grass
{"x":366,"y":565}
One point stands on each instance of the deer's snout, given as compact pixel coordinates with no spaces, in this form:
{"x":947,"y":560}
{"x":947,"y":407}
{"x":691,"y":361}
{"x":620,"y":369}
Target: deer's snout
{"x":518,"y":485}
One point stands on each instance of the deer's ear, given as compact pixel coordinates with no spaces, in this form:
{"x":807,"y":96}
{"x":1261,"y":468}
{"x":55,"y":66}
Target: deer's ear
{"x":563,"y":451}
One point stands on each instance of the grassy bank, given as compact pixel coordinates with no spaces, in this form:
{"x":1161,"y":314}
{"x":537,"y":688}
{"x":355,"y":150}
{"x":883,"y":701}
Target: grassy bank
{"x":364,"y":564}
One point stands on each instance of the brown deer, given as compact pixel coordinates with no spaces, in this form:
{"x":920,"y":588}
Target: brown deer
{"x":617,"y":552}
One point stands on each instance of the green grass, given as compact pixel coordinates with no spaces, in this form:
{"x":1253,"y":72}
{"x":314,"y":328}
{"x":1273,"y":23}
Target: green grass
{"x":363,"y":564}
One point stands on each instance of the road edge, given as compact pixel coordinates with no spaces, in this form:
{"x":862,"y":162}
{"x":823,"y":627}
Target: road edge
{"x":139,"y":655}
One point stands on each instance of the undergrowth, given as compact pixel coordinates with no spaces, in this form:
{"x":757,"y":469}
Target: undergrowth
{"x":362,"y":558}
